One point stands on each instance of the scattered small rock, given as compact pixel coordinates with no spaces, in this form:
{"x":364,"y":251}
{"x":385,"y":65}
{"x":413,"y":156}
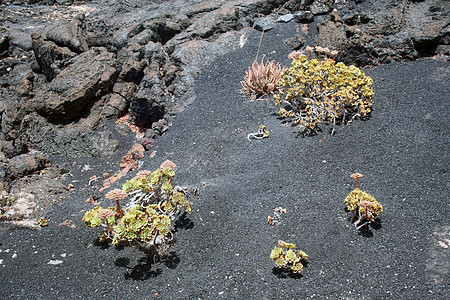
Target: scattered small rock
{"x":285,"y":18}
{"x":147,"y":143}
{"x":303,"y":17}
{"x":264,"y":24}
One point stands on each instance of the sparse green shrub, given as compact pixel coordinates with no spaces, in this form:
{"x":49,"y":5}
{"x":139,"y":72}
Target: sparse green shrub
{"x":6,"y":200}
{"x":146,"y":221}
{"x":321,"y":90}
{"x":363,"y":206}
{"x":285,"y":257}
{"x":42,"y":222}
{"x":261,"y":134}
{"x":261,"y":79}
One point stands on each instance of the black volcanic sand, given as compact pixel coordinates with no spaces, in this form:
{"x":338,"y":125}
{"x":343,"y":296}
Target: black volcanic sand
{"x":222,"y":248}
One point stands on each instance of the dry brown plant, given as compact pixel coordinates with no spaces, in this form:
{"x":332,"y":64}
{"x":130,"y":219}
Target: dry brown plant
{"x":261,"y":78}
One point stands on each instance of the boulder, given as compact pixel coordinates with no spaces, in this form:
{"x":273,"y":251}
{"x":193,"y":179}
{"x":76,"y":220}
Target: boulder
{"x":50,"y":57}
{"x":220,"y":20}
{"x":115,"y":106}
{"x":303,"y":17}
{"x":285,"y":18}
{"x":144,"y":111}
{"x":26,"y":164}
{"x":13,"y":147}
{"x":70,"y":34}
{"x":371,"y":33}
{"x":70,"y":94}
{"x":85,"y":138}
{"x":321,"y":6}
{"x":264,"y":24}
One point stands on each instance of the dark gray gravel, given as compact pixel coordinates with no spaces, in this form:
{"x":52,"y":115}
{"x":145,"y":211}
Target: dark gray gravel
{"x":222,"y":249}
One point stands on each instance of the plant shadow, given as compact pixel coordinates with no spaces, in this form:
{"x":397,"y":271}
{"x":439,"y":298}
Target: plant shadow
{"x":184,"y":222}
{"x":102,"y":245}
{"x":144,"y":270}
{"x":367,"y":231}
{"x":284,"y":273}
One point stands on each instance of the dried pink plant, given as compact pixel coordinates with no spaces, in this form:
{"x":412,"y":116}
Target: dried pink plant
{"x":310,"y":50}
{"x":334,"y":53}
{"x":168,"y":164}
{"x":105,"y":213}
{"x":117,"y":195}
{"x":143,"y":174}
{"x":356,"y":177}
{"x":261,"y":78}
{"x":295,"y":55}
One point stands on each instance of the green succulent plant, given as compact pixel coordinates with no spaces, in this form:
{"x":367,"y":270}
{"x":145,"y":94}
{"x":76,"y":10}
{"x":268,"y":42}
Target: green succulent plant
{"x":286,"y":257}
{"x":321,"y":90}
{"x":90,"y":217}
{"x":154,"y":203}
{"x":363,"y":206}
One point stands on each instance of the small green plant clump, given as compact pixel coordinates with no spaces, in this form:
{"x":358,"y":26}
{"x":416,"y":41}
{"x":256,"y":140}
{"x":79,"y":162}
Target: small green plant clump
{"x":42,"y":222}
{"x":321,"y":90}
{"x":146,"y":221}
{"x":285,"y":257}
{"x":6,"y":200}
{"x":261,"y":134}
{"x":363,"y":206}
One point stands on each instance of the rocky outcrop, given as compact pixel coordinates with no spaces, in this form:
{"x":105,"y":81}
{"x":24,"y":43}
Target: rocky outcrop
{"x":367,"y":32}
{"x":70,"y":70}
{"x":77,"y":87}
{"x":26,"y":164}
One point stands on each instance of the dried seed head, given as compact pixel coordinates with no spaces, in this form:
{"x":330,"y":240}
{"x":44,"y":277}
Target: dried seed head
{"x":294,"y":55}
{"x":142,"y":174}
{"x":116,"y":194}
{"x":356,"y":175}
{"x":366,"y":203}
{"x":334,"y":53}
{"x":105,"y":213}
{"x":169,"y":164}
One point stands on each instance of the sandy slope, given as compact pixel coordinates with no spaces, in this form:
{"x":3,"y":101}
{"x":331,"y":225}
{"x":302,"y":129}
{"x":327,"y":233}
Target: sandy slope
{"x":222,"y":249}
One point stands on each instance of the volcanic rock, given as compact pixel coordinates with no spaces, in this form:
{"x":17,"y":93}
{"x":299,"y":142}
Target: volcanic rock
{"x":77,"y":87}
{"x":26,"y":164}
{"x":303,"y":17}
{"x":264,"y":24}
{"x":4,"y":46}
{"x":321,"y":6}
{"x":69,"y":34}
{"x":50,"y":57}
{"x":89,"y":63}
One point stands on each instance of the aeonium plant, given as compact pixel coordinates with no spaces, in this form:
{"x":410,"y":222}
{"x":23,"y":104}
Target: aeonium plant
{"x":146,"y":220}
{"x":363,"y":206}
{"x":319,"y":90}
{"x":285,"y":257}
